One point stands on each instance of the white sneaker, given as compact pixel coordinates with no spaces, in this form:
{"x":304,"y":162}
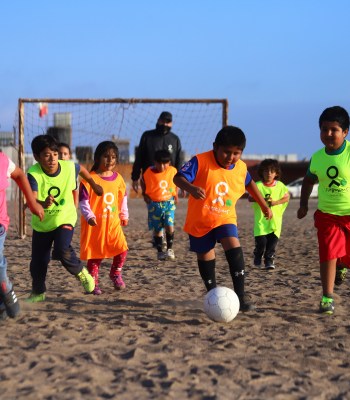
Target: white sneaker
{"x":170,"y":254}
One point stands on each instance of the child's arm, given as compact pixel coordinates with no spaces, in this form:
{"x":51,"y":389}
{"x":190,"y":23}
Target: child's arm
{"x":306,"y":189}
{"x":196,"y":191}
{"x":85,"y":174}
{"x":124,"y":212}
{"x":22,"y":181}
{"x":146,"y":198}
{"x":257,"y":196}
{"x":85,"y":208}
{"x":283,"y":200}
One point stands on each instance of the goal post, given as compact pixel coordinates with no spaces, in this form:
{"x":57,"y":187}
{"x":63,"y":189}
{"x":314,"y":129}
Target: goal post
{"x":83,"y":123}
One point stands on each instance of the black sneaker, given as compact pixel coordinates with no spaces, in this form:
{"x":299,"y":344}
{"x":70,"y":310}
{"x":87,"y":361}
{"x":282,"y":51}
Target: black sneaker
{"x":11,"y":303}
{"x":270,"y":265}
{"x":340,"y":275}
{"x":257,"y":262}
{"x":245,"y":305}
{"x":327,"y":305}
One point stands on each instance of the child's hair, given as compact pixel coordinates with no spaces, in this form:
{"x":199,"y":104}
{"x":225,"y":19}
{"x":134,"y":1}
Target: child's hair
{"x":162,"y":156}
{"x":335,"y":114}
{"x":62,"y":144}
{"x":231,"y":136}
{"x":101,"y":149}
{"x":269,"y":163}
{"x":41,"y":142}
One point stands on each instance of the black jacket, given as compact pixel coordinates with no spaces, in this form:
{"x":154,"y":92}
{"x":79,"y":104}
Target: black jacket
{"x":150,"y":142}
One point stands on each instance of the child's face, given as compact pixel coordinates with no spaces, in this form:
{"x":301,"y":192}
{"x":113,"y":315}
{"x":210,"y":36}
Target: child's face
{"x":269,"y":175}
{"x":332,"y":135}
{"x":108,"y":161}
{"x":63,"y":153}
{"x":227,"y":155}
{"x":48,"y":159}
{"x":161,"y":166}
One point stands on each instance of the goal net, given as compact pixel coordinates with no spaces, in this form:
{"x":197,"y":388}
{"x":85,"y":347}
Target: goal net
{"x":83,"y":123}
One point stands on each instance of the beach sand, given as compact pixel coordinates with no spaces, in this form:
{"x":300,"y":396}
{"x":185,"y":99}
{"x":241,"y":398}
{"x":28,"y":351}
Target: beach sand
{"x":153,"y":340}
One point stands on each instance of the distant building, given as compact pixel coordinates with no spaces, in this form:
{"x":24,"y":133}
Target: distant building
{"x":7,"y":139}
{"x":279,"y":157}
{"x":124,"y":149}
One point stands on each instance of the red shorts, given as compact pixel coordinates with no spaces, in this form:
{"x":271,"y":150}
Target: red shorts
{"x":333,"y":233}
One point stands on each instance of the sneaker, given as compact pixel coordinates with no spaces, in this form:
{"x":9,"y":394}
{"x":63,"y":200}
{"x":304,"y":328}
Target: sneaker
{"x":245,"y":305}
{"x":170,"y":254}
{"x":327,"y":305}
{"x":161,"y":256}
{"x":340,"y":275}
{"x":36,"y":297}
{"x":257,"y":262}
{"x":97,"y":291}
{"x":118,"y":282}
{"x":11,"y":303}
{"x":270,"y":265}
{"x":86,"y":280}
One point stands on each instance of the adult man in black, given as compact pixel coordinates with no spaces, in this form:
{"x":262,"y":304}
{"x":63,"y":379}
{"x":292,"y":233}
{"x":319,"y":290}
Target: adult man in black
{"x":160,"y":138}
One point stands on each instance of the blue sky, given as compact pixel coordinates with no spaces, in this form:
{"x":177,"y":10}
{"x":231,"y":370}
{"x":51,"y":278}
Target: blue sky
{"x":279,"y":63}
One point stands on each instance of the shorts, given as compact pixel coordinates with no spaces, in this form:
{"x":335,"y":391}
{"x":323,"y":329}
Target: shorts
{"x":333,"y":233}
{"x":161,"y":214}
{"x":207,"y":242}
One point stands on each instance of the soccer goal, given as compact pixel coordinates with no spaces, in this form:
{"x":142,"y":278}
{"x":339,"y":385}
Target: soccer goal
{"x":83,"y":123}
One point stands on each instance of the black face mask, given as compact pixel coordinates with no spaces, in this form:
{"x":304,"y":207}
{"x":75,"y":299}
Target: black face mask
{"x":163,"y":129}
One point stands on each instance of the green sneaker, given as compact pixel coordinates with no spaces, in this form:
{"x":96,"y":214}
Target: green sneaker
{"x":86,"y":280}
{"x":36,"y":297}
{"x":327,"y":305}
{"x":340,"y":275}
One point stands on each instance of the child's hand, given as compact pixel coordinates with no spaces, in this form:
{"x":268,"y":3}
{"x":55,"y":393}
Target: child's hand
{"x":92,"y":221}
{"x":198,"y":193}
{"x":268,"y":213}
{"x":124,"y":222}
{"x":49,"y":201}
{"x":301,"y":213}
{"x":38,"y":210}
{"x":146,"y":198}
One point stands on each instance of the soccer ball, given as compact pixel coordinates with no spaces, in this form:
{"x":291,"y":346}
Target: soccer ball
{"x":221,"y":304}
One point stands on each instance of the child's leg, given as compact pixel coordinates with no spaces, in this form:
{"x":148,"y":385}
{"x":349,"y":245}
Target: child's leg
{"x":116,"y":270}
{"x":93,"y":266}
{"x":271,"y":243}
{"x":41,"y":248}
{"x":5,"y":282}
{"x":7,"y":294}
{"x":169,"y":234}
{"x":206,"y":266}
{"x":66,"y":254}
{"x":235,"y":259}
{"x":260,"y":245}
{"x":328,"y":273}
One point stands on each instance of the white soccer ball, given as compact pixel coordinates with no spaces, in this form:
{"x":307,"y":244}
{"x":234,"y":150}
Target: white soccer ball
{"x":221,"y":304}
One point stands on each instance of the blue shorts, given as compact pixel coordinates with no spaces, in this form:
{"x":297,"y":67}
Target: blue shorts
{"x":207,"y":242}
{"x":161,"y":214}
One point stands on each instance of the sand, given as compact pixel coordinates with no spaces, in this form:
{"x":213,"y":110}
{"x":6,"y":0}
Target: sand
{"x":153,"y":340}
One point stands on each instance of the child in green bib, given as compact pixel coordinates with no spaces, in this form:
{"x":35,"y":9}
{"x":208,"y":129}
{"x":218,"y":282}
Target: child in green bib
{"x":52,"y":182}
{"x":268,"y":231}
{"x":330,"y":167}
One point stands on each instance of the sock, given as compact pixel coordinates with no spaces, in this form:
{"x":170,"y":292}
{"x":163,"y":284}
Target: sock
{"x":118,"y":262}
{"x":207,"y":272}
{"x":169,"y":240}
{"x":158,"y":240}
{"x":93,"y":266}
{"x":236,"y":263}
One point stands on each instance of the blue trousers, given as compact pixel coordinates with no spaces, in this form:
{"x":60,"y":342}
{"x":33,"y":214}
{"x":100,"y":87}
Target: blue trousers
{"x":61,"y":239}
{"x":5,"y":282}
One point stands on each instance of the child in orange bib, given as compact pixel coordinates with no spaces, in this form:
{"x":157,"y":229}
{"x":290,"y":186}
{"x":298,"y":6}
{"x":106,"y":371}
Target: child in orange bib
{"x":160,"y":195}
{"x":103,"y":217}
{"x":215,"y":181}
